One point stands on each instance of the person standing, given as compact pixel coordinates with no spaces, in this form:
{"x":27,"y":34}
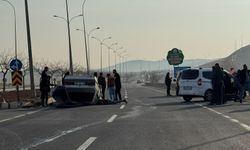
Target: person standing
{"x":245,"y":81}
{"x":168,"y":81}
{"x":118,"y":86}
{"x":111,"y":87}
{"x":217,"y":84}
{"x":44,"y":86}
{"x":102,"y":83}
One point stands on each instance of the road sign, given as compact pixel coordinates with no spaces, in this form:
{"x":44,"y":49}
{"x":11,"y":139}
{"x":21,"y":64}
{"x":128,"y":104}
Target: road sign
{"x":17,"y":78}
{"x":16,"y":65}
{"x":175,"y":57}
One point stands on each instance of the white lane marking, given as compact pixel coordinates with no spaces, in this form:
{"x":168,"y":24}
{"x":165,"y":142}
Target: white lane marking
{"x":87,"y":143}
{"x":33,"y":112}
{"x":4,"y":120}
{"x":57,"y":136}
{"x":111,"y":119}
{"x":126,"y":94}
{"x":225,"y":116}
{"x":245,"y":126}
{"x":19,"y":116}
{"x":122,"y":107}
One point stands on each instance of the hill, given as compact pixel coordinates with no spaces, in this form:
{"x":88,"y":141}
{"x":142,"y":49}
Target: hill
{"x":143,"y":65}
{"x":235,"y":60}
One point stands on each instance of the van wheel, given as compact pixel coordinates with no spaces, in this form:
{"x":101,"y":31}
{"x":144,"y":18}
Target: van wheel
{"x":208,"y":95}
{"x":187,"y":98}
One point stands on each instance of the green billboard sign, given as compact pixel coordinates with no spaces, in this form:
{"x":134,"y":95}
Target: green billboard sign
{"x":175,"y":57}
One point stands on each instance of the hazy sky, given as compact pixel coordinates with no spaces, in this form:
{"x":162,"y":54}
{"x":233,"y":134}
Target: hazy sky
{"x":146,"y":29}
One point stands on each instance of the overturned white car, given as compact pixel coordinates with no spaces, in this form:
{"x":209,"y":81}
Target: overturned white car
{"x":77,"y":89}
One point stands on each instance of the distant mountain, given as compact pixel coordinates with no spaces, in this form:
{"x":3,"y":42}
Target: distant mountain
{"x":143,"y":65}
{"x":235,"y":60}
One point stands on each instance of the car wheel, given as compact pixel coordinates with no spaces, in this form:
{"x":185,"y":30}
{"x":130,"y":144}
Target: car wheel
{"x":208,"y":95}
{"x":187,"y":98}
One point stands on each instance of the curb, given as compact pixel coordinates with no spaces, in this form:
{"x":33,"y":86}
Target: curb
{"x":11,"y":105}
{"x":14,"y":105}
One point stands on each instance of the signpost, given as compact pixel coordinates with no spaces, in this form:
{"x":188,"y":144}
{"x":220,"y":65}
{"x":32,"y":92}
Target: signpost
{"x":16,"y":65}
{"x":17,"y":78}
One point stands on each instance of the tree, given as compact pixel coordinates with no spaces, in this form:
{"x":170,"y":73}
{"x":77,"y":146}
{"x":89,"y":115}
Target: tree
{"x":5,"y":58}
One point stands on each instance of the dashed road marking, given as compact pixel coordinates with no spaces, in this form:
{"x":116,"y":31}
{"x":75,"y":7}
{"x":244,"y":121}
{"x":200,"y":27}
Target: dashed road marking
{"x":245,"y":126}
{"x":61,"y":134}
{"x":111,"y":119}
{"x":122,"y":107}
{"x":126,"y":94}
{"x":87,"y":143}
{"x":19,"y":116}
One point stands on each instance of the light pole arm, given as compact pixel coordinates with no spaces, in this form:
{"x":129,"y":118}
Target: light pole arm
{"x":74,"y":18}
{"x":15,"y":26}
{"x":97,"y":39}
{"x":60,"y":18}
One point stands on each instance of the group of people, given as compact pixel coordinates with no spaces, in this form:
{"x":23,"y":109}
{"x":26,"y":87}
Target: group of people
{"x":221,"y":84}
{"x":113,"y":83}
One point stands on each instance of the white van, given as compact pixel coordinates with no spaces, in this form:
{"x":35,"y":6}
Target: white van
{"x":196,"y":82}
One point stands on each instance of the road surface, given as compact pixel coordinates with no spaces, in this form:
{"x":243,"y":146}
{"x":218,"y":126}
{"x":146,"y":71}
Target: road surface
{"x":150,"y":121}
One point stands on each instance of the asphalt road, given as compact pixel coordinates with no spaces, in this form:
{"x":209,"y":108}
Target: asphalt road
{"x":150,"y":121}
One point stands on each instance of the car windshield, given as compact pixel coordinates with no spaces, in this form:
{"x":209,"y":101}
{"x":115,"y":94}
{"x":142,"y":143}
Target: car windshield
{"x":189,"y":74}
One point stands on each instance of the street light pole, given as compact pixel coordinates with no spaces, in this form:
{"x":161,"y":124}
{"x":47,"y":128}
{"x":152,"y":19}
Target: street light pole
{"x":68,"y":21}
{"x":101,"y":43}
{"x":85,"y":41}
{"x":70,"y":50}
{"x":15,"y":26}
{"x":109,"y":48}
{"x":120,"y":55}
{"x":115,"y":54}
{"x":32,"y":83}
{"x":97,"y":28}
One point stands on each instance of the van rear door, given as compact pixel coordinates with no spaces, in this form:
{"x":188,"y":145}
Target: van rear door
{"x":188,"y":82}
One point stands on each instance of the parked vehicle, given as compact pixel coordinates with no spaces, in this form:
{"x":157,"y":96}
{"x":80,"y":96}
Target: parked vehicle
{"x":196,"y":82}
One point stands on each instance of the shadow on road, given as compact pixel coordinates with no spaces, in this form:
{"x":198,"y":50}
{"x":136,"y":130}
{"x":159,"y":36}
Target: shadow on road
{"x":173,"y":104}
{"x":239,"y":111}
{"x":160,"y":97}
{"x":214,"y":141}
{"x":179,"y":103}
{"x":186,"y":108}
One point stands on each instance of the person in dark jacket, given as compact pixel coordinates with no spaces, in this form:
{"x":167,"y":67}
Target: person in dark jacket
{"x":102,"y":84}
{"x":237,"y":86}
{"x":44,"y":86}
{"x":217,"y":84}
{"x":245,"y":81}
{"x":168,"y":81}
{"x":118,"y":86}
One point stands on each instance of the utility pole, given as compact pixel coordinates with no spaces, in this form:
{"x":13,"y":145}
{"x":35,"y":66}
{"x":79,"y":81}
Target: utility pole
{"x":32,"y":83}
